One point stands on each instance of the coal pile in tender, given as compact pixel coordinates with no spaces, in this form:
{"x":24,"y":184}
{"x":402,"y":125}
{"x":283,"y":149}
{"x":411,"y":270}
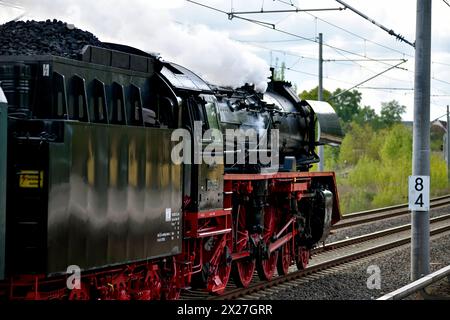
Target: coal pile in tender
{"x":44,"y":38}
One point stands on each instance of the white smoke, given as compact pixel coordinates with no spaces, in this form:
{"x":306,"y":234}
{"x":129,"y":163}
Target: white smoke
{"x":149,"y":26}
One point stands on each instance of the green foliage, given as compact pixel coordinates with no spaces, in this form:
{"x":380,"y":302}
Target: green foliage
{"x":375,"y":144}
{"x":331,"y":155}
{"x":354,"y":144}
{"x":374,"y":173}
{"x":391,"y":113}
{"x":438,"y":178}
{"x":397,"y":145}
{"x":346,"y":104}
{"x":313,"y":94}
{"x":354,"y":201}
{"x":365,"y":115}
{"x":358,"y":178}
{"x":436,"y":139}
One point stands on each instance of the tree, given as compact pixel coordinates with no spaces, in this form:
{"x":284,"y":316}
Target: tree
{"x":391,"y":113}
{"x":313,"y":94}
{"x":366,"y":115}
{"x":355,"y":144}
{"x":346,"y":104}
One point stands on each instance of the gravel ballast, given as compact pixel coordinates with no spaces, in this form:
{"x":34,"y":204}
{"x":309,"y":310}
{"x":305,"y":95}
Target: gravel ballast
{"x":351,"y":283}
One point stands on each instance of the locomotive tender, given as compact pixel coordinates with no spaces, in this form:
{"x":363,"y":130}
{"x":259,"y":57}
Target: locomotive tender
{"x":90,"y":182}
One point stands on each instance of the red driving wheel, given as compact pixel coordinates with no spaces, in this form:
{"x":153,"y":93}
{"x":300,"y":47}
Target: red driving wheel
{"x":266,"y":263}
{"x":243,"y":269}
{"x":285,"y":258}
{"x":302,"y":258}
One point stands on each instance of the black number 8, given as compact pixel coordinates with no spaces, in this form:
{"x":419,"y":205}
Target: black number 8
{"x":419,"y":183}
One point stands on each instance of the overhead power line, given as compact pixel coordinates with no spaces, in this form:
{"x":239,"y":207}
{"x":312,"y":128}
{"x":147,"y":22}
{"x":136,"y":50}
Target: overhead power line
{"x":369,"y":69}
{"x":439,"y":80}
{"x":290,"y":53}
{"x":446,"y":2}
{"x":390,"y":31}
{"x":357,"y":85}
{"x":387,"y":88}
{"x":271,"y":41}
{"x":441,"y":63}
{"x":314,"y":75}
{"x":286,"y":11}
{"x":384,"y":89}
{"x":361,"y":60}
{"x":359,"y":36}
{"x":444,"y":115}
{"x":350,"y":32}
{"x":273,"y":27}
{"x":284,"y":52}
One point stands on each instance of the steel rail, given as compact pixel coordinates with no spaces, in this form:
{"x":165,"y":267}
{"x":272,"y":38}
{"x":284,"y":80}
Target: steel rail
{"x":362,"y":217}
{"x":371,"y":236}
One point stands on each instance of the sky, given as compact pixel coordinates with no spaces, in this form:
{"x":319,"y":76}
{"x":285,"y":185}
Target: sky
{"x":233,"y":51}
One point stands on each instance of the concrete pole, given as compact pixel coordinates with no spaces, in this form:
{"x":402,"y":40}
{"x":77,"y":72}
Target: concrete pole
{"x":420,"y":232}
{"x":448,"y":147}
{"x":320,"y":97}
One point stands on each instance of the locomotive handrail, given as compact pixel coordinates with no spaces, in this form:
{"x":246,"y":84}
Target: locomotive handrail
{"x":417,"y":285}
{"x":3,"y":150}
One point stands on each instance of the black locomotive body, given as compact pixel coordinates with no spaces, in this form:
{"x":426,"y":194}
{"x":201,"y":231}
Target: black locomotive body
{"x":90,"y":179}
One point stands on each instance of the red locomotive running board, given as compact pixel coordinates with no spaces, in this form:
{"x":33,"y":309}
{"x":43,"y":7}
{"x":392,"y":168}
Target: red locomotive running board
{"x":278,"y":175}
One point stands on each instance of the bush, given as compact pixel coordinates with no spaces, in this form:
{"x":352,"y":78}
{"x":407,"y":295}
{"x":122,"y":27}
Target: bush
{"x":373,"y":168}
{"x":438,"y":179}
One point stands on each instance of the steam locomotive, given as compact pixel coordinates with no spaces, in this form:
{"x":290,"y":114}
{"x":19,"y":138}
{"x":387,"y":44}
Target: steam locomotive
{"x":88,"y":179}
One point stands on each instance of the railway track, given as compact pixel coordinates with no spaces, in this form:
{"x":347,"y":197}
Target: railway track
{"x":362,"y":217}
{"x":326,"y":259}
{"x":371,"y":236}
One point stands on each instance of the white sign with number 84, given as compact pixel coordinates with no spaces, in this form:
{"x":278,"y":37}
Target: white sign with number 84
{"x":419,"y":193}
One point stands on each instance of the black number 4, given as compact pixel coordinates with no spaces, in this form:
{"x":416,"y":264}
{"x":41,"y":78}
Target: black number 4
{"x":419,"y":200}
